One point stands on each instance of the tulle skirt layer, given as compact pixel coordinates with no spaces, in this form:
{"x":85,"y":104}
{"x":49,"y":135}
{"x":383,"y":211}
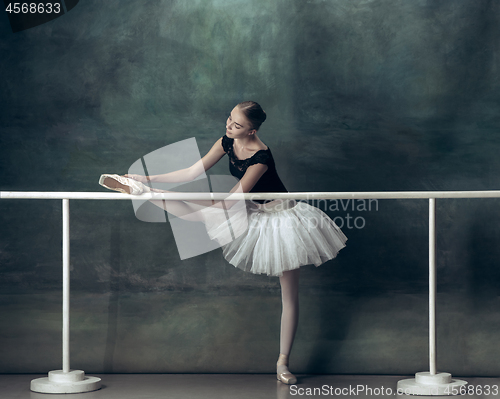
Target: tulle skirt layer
{"x":274,"y":237}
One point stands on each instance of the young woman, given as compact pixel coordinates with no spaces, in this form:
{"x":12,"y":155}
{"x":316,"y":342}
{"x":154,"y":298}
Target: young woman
{"x":281,"y":235}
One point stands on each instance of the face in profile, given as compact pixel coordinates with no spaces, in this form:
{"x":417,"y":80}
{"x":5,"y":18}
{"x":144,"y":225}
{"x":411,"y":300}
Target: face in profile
{"x":237,"y":125}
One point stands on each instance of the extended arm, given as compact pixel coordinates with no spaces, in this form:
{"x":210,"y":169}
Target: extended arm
{"x":191,"y":173}
{"x":249,"y":179}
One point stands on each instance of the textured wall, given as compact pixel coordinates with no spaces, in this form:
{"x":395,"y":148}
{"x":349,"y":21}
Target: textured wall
{"x":361,"y":95}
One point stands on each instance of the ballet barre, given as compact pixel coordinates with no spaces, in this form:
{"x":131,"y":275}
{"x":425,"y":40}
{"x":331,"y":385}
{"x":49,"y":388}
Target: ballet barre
{"x":249,"y":196}
{"x":75,"y":381}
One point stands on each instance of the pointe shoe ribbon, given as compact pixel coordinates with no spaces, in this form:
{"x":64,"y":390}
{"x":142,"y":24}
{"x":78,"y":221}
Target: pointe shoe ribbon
{"x":284,"y":376}
{"x":123,"y":184}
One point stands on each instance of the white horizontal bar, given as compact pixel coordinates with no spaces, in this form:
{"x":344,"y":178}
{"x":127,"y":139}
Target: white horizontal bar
{"x":249,"y":196}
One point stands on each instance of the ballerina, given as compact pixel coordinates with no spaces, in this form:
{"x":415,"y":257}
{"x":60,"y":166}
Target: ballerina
{"x":281,"y":236}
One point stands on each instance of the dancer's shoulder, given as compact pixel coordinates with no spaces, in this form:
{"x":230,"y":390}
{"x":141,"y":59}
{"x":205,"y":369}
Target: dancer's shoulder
{"x":261,"y":156}
{"x":226,"y":143}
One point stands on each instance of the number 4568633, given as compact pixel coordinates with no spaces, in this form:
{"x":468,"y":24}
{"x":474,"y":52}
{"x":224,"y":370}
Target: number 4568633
{"x":33,"y":8}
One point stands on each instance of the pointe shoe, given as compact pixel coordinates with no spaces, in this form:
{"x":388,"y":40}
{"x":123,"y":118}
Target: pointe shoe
{"x":123,"y":184}
{"x":282,"y":373}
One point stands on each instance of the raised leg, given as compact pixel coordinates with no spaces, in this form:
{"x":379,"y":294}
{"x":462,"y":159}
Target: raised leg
{"x":184,"y":210}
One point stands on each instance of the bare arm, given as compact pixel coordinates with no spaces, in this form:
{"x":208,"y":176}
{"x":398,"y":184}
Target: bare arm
{"x":247,"y":182}
{"x":187,"y":174}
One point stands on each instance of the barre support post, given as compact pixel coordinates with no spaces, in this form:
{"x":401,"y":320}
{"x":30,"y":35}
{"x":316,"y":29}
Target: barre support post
{"x":431,"y":383}
{"x":65,"y":380}
{"x":432,"y":286}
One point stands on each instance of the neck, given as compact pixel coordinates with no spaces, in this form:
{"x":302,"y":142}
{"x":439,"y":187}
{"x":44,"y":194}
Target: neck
{"x":247,"y":141}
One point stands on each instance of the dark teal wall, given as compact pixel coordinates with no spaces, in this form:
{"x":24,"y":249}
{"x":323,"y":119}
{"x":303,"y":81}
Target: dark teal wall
{"x":361,"y":96}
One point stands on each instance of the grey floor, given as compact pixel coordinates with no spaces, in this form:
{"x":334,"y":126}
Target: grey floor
{"x":234,"y":386}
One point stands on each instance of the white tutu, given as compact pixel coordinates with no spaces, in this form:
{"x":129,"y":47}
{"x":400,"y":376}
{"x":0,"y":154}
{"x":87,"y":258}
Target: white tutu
{"x":274,"y":237}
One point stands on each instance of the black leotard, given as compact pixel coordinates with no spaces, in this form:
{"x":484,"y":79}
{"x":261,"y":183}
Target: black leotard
{"x":268,"y":183}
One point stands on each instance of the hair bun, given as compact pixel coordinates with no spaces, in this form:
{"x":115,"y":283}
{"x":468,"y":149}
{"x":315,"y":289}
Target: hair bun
{"x":254,"y":113}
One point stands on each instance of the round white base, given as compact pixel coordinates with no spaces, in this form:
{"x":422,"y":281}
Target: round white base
{"x":427,"y":384}
{"x":58,"y":381}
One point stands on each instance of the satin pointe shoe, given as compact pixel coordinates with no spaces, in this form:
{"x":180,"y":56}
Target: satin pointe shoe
{"x":282,"y":372}
{"x":123,"y":184}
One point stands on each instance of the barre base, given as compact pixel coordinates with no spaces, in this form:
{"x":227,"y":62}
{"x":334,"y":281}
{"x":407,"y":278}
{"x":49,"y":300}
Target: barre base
{"x":427,"y":384}
{"x":58,"y":381}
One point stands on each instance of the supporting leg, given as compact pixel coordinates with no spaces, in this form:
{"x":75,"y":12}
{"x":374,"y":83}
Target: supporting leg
{"x":289,"y":321}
